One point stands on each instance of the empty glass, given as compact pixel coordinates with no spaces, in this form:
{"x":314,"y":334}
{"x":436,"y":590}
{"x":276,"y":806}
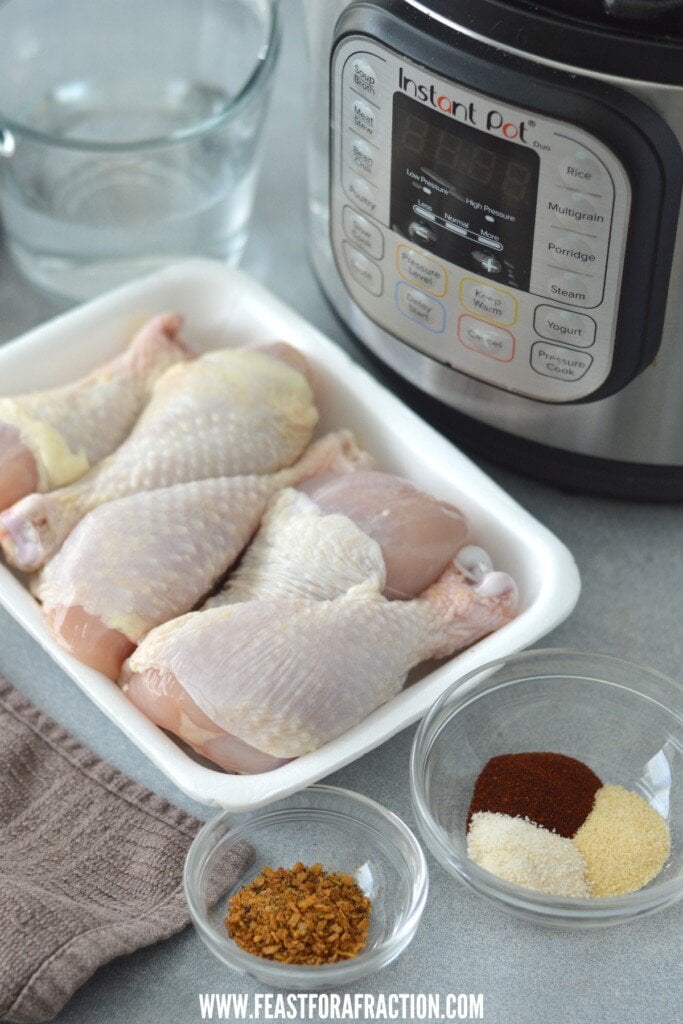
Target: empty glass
{"x":129,"y":133}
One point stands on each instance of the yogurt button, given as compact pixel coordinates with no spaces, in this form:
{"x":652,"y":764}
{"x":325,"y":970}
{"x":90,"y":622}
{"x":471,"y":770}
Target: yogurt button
{"x":582,"y":172}
{"x":563,"y":325}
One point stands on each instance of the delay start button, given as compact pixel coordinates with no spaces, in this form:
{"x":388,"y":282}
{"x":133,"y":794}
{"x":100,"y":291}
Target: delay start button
{"x":558,"y":362}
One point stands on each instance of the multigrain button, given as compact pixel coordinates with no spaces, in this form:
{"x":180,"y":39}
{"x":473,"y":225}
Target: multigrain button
{"x":574,"y":289}
{"x":361,"y":192}
{"x":563,"y":325}
{"x":559,"y":362}
{"x":364,"y":118}
{"x":487,"y":301}
{"x":363,"y":234}
{"x":364,"y":77}
{"x":363,"y":270}
{"x":486,"y":339}
{"x":571,"y":252}
{"x":362,"y":156}
{"x":421,"y":270}
{"x":421,"y":308}
{"x":582,"y":172}
{"x":574,"y":210}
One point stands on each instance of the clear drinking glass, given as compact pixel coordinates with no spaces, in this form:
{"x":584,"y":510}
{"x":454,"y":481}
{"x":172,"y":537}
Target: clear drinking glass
{"x":129,"y":133}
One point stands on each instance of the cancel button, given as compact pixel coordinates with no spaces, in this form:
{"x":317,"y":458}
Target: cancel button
{"x":559,"y":362}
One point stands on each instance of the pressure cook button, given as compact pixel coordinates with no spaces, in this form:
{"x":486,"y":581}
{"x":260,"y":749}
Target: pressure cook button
{"x":364,"y":118}
{"x":488,"y":301}
{"x":574,"y":289}
{"x":559,"y":362}
{"x":570,"y":252}
{"x":582,"y":172}
{"x":363,"y":270}
{"x":363,"y":234}
{"x":362,"y":156}
{"x":577,"y":211}
{"x":364,"y":77}
{"x":563,"y":325}
{"x":490,"y":341}
{"x":421,"y":270}
{"x":421,"y":308}
{"x":363,"y":194}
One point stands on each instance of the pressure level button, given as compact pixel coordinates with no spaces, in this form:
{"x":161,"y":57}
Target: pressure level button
{"x":582,"y":172}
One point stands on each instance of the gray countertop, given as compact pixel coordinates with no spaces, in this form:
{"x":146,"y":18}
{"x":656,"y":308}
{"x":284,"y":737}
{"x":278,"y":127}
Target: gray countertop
{"x":631,"y":560}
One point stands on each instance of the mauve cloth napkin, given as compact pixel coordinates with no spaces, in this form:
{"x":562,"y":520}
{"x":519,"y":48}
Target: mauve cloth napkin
{"x":90,"y":863}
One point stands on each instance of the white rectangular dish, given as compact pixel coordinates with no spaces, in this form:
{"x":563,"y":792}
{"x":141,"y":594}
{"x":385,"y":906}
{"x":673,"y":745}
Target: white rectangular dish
{"x":224,"y":307}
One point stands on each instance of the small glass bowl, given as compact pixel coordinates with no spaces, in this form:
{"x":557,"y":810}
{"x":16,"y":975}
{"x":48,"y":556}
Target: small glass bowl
{"x":345,"y":832}
{"x":624,"y":721}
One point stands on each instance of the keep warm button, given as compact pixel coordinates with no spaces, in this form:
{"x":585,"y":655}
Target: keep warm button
{"x":559,"y":362}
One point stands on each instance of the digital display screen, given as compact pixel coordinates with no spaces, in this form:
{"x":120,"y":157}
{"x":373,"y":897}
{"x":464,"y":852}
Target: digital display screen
{"x":466,"y":194}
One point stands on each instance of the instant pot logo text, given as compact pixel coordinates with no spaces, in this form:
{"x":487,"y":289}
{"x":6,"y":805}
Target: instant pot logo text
{"x":491,"y":120}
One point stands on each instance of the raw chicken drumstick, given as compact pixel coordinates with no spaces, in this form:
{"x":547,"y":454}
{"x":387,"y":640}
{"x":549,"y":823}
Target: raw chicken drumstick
{"x":231,"y":412}
{"x":51,"y":438}
{"x":315,"y":544}
{"x":284,"y":676}
{"x":146,"y":558}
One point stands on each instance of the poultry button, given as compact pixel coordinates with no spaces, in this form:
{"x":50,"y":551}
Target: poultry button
{"x":362,"y":270}
{"x":361,"y":192}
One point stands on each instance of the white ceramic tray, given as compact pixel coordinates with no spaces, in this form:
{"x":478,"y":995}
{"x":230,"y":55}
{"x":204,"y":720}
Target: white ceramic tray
{"x":225,"y":307}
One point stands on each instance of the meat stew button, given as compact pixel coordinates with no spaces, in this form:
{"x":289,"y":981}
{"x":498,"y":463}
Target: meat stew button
{"x":559,"y":362}
{"x":364,"y":118}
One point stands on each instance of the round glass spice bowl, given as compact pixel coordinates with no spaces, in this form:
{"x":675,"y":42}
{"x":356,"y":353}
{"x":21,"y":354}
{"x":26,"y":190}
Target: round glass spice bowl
{"x":342,"y":830}
{"x":624,"y":721}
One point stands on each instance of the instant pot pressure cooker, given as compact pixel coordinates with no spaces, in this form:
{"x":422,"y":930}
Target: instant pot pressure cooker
{"x":495,"y":201}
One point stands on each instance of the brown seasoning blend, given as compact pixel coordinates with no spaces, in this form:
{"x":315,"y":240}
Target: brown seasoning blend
{"x":300,"y":915}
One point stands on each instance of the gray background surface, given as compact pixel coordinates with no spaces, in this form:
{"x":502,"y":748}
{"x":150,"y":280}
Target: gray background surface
{"x":631,"y":560}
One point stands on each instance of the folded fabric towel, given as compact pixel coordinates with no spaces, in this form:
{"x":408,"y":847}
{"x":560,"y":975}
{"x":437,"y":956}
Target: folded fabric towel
{"x":90,"y":863}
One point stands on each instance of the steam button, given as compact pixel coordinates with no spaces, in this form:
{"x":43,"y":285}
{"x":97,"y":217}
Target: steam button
{"x":574,"y":289}
{"x":582,"y":172}
{"x":362,"y":270}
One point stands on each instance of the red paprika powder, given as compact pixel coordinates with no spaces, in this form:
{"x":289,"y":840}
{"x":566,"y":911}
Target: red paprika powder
{"x":551,"y":790}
